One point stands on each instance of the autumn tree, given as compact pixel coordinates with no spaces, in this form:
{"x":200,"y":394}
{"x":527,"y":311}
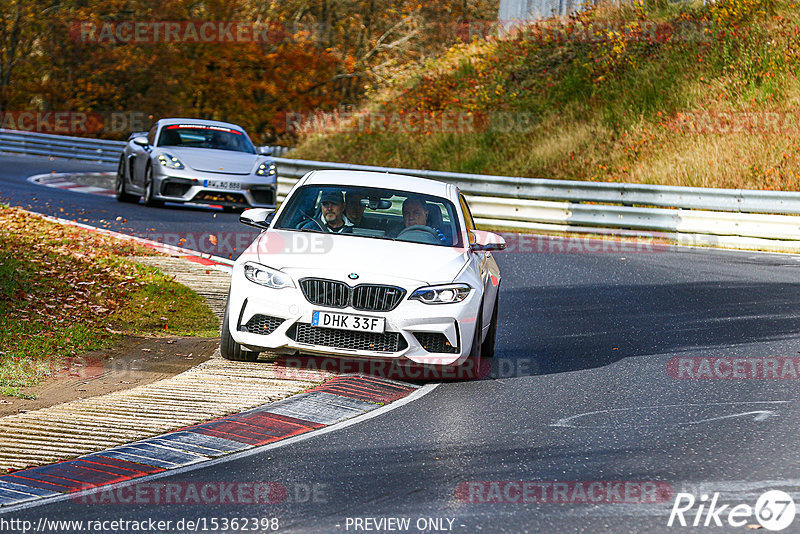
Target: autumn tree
{"x":319,"y":54}
{"x":22,"y":24}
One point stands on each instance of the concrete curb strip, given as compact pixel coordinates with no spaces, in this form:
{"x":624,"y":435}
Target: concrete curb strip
{"x":263,"y":425}
{"x":212,"y":389}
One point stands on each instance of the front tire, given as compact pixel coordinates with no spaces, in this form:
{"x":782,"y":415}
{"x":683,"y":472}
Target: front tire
{"x":149,"y":189}
{"x":487,"y":350}
{"x":473,"y":367}
{"x":119,"y":185}
{"x":230,"y":349}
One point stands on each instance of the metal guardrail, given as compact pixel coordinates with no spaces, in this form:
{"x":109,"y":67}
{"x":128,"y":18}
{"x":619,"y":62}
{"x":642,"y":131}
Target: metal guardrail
{"x":540,"y":204}
{"x":738,"y":200}
{"x":38,"y":144}
{"x":562,"y":205}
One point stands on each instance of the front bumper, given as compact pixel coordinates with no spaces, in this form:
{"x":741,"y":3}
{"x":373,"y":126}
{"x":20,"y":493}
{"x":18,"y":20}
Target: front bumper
{"x":182,"y":185}
{"x":280,"y":319}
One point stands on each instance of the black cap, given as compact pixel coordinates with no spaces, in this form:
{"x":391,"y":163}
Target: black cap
{"x":332,"y":196}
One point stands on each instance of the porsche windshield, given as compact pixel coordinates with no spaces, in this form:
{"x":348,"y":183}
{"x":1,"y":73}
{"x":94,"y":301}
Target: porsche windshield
{"x":201,"y":136}
{"x":372,"y":212}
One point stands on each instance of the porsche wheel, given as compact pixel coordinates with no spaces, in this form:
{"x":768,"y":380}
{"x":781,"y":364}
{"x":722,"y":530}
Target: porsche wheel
{"x":119,"y":185}
{"x":149,"y":189}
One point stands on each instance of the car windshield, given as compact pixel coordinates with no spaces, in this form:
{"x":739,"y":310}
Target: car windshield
{"x":373,"y":213}
{"x":202,"y":136}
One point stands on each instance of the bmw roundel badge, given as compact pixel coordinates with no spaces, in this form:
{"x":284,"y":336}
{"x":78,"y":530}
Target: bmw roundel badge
{"x":352,"y":276}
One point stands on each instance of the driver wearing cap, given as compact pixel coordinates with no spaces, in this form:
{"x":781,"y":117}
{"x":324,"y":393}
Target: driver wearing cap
{"x":332,"y":218}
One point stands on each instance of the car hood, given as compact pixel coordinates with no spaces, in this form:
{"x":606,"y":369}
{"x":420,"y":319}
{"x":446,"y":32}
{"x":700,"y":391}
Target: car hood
{"x":336,"y":257}
{"x":216,"y":161}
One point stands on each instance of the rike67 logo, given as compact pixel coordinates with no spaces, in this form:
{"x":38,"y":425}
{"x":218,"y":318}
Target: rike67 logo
{"x":774,"y":510}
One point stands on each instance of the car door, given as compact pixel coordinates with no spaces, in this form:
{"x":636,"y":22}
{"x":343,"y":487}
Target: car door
{"x":484,"y":264}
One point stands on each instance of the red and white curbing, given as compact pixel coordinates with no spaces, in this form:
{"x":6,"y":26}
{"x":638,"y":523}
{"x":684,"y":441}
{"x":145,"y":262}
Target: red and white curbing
{"x":62,"y":181}
{"x":339,"y":401}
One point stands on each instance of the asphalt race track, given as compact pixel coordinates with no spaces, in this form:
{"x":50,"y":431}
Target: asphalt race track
{"x":580,"y":394}
{"x":194,"y":224}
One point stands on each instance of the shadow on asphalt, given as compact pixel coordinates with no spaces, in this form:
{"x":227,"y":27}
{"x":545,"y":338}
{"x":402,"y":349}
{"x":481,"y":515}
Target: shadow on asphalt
{"x":560,"y":329}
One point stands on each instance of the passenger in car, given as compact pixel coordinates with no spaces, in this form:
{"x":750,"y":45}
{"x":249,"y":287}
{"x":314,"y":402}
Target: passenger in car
{"x":354,"y":211}
{"x":417,"y":212}
{"x":332,"y":218}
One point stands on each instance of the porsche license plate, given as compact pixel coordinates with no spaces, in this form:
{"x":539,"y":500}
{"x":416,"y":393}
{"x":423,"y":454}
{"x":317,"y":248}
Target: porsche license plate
{"x":221,"y":184}
{"x":346,"y":321}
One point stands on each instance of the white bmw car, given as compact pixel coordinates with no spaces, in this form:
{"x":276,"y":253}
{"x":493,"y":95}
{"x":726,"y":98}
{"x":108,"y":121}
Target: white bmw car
{"x":197,"y":161}
{"x":366,"y":265}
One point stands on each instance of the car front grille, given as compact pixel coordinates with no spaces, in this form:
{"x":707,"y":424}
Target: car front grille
{"x":326,"y":292}
{"x":435,"y":342}
{"x":376,"y":298}
{"x":346,"y":339}
{"x":262,"y":324}
{"x":230,"y":199}
{"x":365,"y":297}
{"x":263,"y":196}
{"x":175,"y":189}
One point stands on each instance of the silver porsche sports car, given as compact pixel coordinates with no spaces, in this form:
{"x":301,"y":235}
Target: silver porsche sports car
{"x":198,"y":161}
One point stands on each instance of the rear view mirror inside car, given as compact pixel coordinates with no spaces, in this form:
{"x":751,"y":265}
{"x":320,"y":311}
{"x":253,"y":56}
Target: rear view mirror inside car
{"x":376,"y":203}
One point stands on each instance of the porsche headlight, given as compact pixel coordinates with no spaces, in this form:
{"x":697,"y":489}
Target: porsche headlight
{"x":263,"y":275}
{"x":170,"y":161}
{"x":446,"y":294}
{"x":267,"y":169}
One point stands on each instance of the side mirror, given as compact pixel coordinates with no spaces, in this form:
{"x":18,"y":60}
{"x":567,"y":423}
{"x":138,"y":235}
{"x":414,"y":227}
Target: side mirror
{"x":486,"y":241}
{"x":141,"y":141}
{"x":257,"y":217}
{"x":264,"y":150}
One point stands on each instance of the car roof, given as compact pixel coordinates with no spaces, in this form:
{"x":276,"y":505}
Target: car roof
{"x":387,"y":180}
{"x":202,"y":122}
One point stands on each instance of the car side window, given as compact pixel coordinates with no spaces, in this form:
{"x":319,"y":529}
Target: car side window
{"x":467,"y":214}
{"x":151,"y":136}
{"x":467,"y":217}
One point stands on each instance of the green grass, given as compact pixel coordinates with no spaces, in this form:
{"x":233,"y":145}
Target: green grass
{"x":186,"y":312}
{"x":65,"y":291}
{"x":607,"y":109}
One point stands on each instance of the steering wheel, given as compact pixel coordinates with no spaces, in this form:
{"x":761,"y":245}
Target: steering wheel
{"x":420,"y":228}
{"x":306,"y":218}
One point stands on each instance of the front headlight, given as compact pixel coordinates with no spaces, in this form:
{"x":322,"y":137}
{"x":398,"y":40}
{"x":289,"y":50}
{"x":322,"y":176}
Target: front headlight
{"x":170,"y":161}
{"x":446,"y":294}
{"x":263,"y":275}
{"x":266,"y":169}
